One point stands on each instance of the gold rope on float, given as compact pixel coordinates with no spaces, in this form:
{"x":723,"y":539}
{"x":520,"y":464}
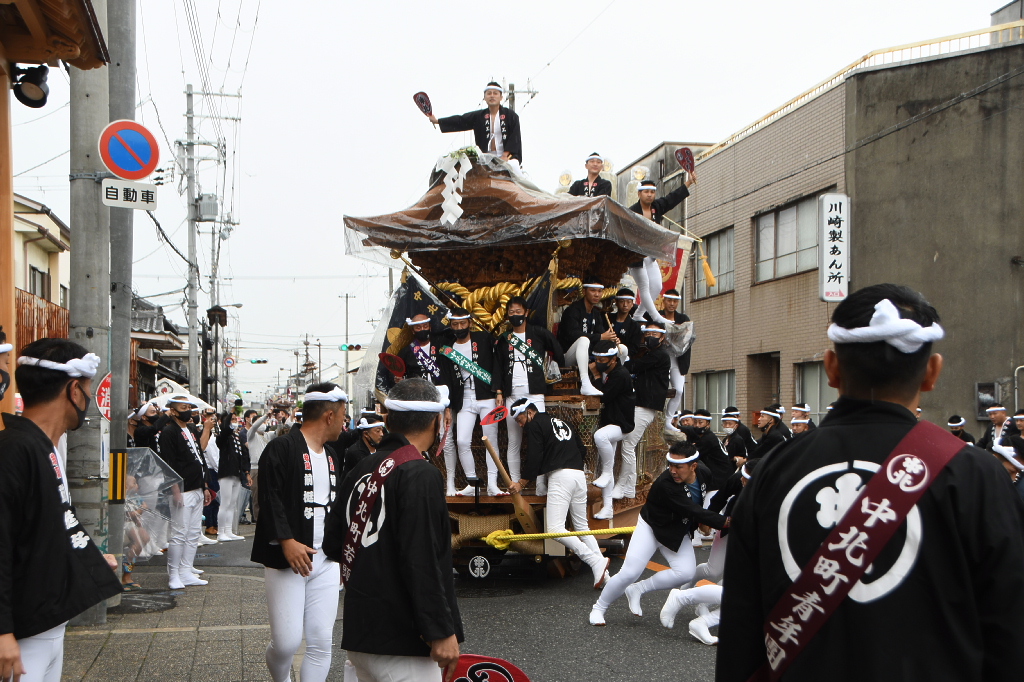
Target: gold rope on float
{"x":501,"y":539}
{"x":487,"y":304}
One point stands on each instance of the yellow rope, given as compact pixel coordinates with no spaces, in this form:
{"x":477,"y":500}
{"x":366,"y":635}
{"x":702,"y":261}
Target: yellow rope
{"x":501,"y":539}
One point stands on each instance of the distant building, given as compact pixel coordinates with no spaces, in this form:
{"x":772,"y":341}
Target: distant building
{"x":156,"y":351}
{"x":42,"y":271}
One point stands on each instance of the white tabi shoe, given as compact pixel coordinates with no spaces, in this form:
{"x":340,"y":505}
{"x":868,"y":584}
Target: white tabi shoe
{"x":596,"y":616}
{"x":698,"y":539}
{"x":605,"y":513}
{"x":235,"y":536}
{"x":204,"y":540}
{"x":496,"y":492}
{"x":190,"y":580}
{"x":468,"y":491}
{"x":174,"y":582}
{"x":633,"y":595}
{"x":196,"y":571}
{"x":670,"y":609}
{"x":603,"y":481}
{"x":600,"y":569}
{"x":617,"y":493}
{"x":224,"y":538}
{"x":699,"y":629}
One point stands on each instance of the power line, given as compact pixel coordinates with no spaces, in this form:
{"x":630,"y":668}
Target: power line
{"x":42,"y":164}
{"x":160,"y":230}
{"x":39,"y":118}
{"x":573,"y":40}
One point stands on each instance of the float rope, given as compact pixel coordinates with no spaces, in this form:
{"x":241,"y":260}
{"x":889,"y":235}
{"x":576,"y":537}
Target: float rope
{"x":501,"y":539}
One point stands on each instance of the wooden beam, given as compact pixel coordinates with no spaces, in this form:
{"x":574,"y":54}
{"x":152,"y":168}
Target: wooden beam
{"x":23,"y":49}
{"x":34,"y":19}
{"x":7,"y":293}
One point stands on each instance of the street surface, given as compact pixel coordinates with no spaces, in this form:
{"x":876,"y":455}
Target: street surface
{"x":218,"y":633}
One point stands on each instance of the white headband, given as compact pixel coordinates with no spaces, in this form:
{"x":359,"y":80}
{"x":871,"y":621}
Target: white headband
{"x":519,"y":409}
{"x":743,"y":472}
{"x":652,"y":329}
{"x":1009,"y":454}
{"x":797,"y":408}
{"x":607,"y":354}
{"x":799,"y":421}
{"x":142,"y":410}
{"x":183,"y":398}
{"x":456,"y":319}
{"x":420,"y":405}
{"x":685,"y":415}
{"x":77,"y":367}
{"x":6,"y":348}
{"x":828,"y":409}
{"x":336,"y":395}
{"x":959,"y":423}
{"x":593,"y":286}
{"x":409,"y":321}
{"x":495,"y":87}
{"x":730,"y":414}
{"x":627,"y":298}
{"x":364,"y":424}
{"x":989,"y":410}
{"x":779,"y":414}
{"x":595,"y":156}
{"x":701,"y":416}
{"x":886,"y":325}
{"x":672,"y":296}
{"x":730,"y":419}
{"x":647,"y":185}
{"x":686,"y":460}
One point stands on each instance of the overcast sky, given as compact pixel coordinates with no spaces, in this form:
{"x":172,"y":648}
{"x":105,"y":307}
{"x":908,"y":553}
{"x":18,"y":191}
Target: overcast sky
{"x":329,"y":127}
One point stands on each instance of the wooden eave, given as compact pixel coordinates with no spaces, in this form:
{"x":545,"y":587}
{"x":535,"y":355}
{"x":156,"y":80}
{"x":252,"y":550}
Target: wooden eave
{"x":45,"y":31}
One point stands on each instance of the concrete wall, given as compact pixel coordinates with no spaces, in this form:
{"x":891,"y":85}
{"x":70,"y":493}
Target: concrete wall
{"x":938,"y":206}
{"x":1007,"y":13}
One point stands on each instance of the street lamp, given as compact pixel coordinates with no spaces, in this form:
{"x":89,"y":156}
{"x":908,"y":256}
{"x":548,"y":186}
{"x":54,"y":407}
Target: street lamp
{"x":30,"y":86}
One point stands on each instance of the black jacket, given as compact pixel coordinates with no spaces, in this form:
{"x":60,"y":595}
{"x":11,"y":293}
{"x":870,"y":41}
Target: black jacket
{"x":964,"y":436}
{"x":744,"y":432}
{"x":401,"y":594}
{"x":542,"y":341}
{"x":663,"y":205}
{"x":413,"y":369}
{"x":775,"y":436}
{"x":346,"y":440}
{"x":483,"y":355}
{"x":670,"y":512}
{"x":629,"y":333}
{"x":559,"y":445}
{"x":581,"y":188}
{"x":281,"y":489}
{"x":714,"y":457}
{"x":917,"y":620}
{"x":735,"y":446}
{"x":355,"y":453}
{"x":650,"y":378}
{"x":1009,"y":430}
{"x":44,"y":579}
{"x":234,"y":454}
{"x":479,"y":122}
{"x":176,"y":451}
{"x":618,"y":402}
{"x":576,"y":323}
{"x":146,"y":434}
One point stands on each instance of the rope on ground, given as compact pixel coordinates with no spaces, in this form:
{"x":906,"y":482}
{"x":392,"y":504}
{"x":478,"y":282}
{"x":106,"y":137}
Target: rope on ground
{"x":501,"y":539}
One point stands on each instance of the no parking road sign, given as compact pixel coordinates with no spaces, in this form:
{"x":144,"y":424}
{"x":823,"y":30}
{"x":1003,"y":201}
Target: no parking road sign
{"x":129,"y":150}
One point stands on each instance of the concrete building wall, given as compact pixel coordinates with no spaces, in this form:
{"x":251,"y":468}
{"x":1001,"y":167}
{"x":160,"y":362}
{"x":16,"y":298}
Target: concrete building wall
{"x":767,"y":328}
{"x":938,"y":205}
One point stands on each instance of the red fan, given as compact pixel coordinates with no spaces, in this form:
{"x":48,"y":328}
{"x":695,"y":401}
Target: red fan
{"x":423,"y":102}
{"x":393,"y":363}
{"x":494,"y":416}
{"x":685,"y":158}
{"x":473,"y":668}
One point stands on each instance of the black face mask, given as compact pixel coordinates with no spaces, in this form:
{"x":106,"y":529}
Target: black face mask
{"x":517,"y":320}
{"x":5,"y":382}
{"x":652,"y":342}
{"x":80,"y":413}
{"x":461,"y":333}
{"x":183,"y":415}
{"x":601,"y":366}
{"x":423,"y":335}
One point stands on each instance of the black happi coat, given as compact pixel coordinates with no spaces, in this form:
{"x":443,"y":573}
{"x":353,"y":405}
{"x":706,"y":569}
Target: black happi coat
{"x":672,"y":514}
{"x":483,"y":355}
{"x":650,"y":377}
{"x":479,"y":122}
{"x":735,"y":446}
{"x":176,"y":451}
{"x":281,"y":489}
{"x":355,"y":453}
{"x":413,"y":369}
{"x":146,"y":434}
{"x":663,"y":205}
{"x":582,"y":188}
{"x":234,"y":454}
{"x":44,"y":579}
{"x":954,"y":612}
{"x":987,"y":440}
{"x":347,"y":439}
{"x":559,"y":444}
{"x":629,"y":333}
{"x":714,"y":457}
{"x":576,"y":322}
{"x":619,"y":401}
{"x":964,"y":436}
{"x":774,"y":437}
{"x":744,"y":433}
{"x":542,"y":341}
{"x":401,"y":594}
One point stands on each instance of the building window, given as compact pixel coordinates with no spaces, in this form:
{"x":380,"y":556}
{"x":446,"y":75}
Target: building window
{"x":714,"y":391}
{"x":718,"y":249}
{"x":787,"y":240}
{"x":812,"y":388}
{"x":38,"y":282}
{"x":64,"y":296}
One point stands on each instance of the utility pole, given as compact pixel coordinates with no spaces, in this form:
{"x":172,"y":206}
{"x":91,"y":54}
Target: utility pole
{"x":512,"y":92}
{"x":194,"y":375}
{"x":121,"y":79}
{"x":90,"y":296}
{"x":345,"y":372}
{"x":319,"y":362}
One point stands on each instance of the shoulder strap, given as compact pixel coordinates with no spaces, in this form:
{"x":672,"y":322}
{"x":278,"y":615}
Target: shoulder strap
{"x":355,"y":535}
{"x":854,"y":543}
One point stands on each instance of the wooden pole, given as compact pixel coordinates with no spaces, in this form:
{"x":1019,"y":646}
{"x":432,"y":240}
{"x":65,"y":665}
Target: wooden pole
{"x":8,"y":320}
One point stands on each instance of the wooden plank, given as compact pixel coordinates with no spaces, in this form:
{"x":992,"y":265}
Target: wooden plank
{"x":34,"y":20}
{"x":7,"y":295}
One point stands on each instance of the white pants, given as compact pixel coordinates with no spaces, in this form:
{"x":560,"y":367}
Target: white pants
{"x":705,"y":594}
{"x":580,"y":352}
{"x":515,"y":432}
{"x":713,"y":569}
{"x":227,"y":516}
{"x":42,"y":655}
{"x":642,"y":547}
{"x":605,"y":439}
{"x":648,"y":286}
{"x":302,"y":606}
{"x":567,"y":497}
{"x":378,"y":668}
{"x":186,"y":527}
{"x":642,"y":417}
{"x":464,"y":424}
{"x":679,"y":384}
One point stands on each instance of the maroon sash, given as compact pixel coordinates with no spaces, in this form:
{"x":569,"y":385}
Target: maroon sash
{"x":855,"y":542}
{"x":356,"y":533}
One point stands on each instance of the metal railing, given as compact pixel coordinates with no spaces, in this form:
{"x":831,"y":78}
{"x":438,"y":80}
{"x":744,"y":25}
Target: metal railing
{"x":960,"y":42}
{"x":39,"y":319}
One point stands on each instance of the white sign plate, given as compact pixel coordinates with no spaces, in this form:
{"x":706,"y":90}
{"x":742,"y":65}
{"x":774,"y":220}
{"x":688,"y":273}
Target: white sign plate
{"x":128,"y":194}
{"x":833,"y":247}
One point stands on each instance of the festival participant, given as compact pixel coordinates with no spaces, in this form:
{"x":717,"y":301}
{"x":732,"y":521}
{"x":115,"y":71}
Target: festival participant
{"x":181,"y":445}
{"x":618,"y":404}
{"x":741,"y":429}
{"x":798,"y":426}
{"x":262,"y":432}
{"x":956,"y":426}
{"x":734,"y":444}
{"x":649,"y":366}
{"x":769,"y":420}
{"x":712,"y":452}
{"x":625,"y":327}
{"x":913,"y":617}
{"x":594,"y":185}
{"x":998,"y":429}
{"x":298,"y":486}
{"x":371,"y":433}
{"x":674,"y":508}
{"x":584,"y":324}
{"x":50,"y":570}
{"x":471,"y":356}
{"x":560,"y":454}
{"x":521,"y":355}
{"x":5,"y":363}
{"x":803,"y":411}
{"x":495,"y":129}
{"x":232,"y":474}
{"x":680,"y":361}
{"x":401,"y":616}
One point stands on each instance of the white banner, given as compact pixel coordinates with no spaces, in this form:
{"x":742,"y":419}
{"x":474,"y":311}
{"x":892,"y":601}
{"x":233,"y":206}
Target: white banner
{"x":833,"y":247}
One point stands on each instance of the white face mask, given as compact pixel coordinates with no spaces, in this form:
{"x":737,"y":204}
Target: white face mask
{"x":729,"y":430}
{"x":234,"y":427}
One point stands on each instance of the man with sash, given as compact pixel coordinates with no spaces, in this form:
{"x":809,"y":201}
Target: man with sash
{"x":999,"y":430}
{"x":50,"y":569}
{"x":522,"y":353}
{"x":881,"y":548}
{"x":471,"y":355}
{"x":594,"y":185}
{"x":583,"y":324}
{"x":392,"y":535}
{"x":298,"y":485}
{"x":495,"y":129}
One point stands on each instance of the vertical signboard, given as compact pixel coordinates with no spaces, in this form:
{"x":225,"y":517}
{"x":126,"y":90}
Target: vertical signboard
{"x":833,"y":247}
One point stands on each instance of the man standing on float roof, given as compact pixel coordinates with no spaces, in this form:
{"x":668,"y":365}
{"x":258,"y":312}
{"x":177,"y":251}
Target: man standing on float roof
{"x":495,"y":129}
{"x":594,"y":185}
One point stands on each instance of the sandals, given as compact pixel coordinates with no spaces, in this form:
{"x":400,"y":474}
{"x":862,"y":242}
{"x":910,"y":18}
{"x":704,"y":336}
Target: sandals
{"x":131,"y":587}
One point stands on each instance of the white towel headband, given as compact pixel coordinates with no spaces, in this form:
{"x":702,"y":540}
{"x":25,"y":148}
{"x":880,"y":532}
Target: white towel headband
{"x":419,"y":405}
{"x":336,"y":395}
{"x":886,"y":325}
{"x":77,"y":367}
{"x":686,"y":460}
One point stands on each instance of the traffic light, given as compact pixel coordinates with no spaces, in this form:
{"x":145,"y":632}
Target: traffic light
{"x":258,"y":361}
{"x":350,"y":346}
